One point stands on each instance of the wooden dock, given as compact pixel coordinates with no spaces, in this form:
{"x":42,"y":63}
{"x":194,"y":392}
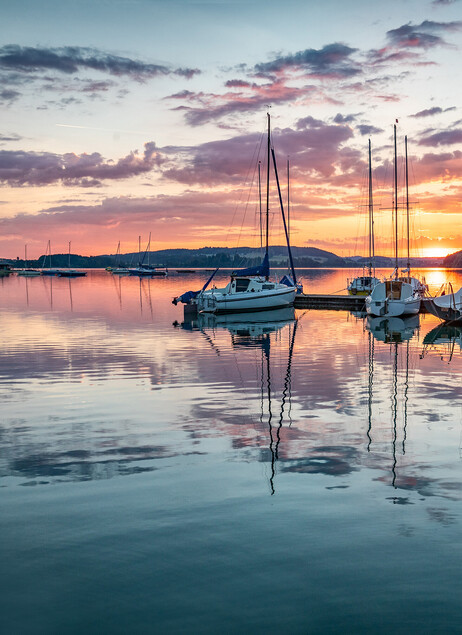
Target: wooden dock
{"x":319,"y":302}
{"x":330,"y":302}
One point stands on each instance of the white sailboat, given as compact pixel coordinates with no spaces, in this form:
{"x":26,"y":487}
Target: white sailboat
{"x":397,"y":296}
{"x":27,"y":271}
{"x":363,"y":285}
{"x":419,"y":286}
{"x":250,"y":289}
{"x":447,"y":307}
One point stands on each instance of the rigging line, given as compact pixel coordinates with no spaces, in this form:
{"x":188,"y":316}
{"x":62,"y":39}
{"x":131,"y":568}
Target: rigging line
{"x":246,"y":205}
{"x":238,"y":204}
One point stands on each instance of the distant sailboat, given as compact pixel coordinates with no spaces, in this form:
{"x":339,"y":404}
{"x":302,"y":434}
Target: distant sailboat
{"x":117,"y":268}
{"x":71,"y":273}
{"x":147,"y":270}
{"x":49,"y":271}
{"x":27,"y":271}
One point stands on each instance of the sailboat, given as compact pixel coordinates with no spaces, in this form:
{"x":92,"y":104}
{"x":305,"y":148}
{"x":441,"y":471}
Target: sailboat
{"x":250,"y":289}
{"x":117,"y":268}
{"x":363,"y":285}
{"x":419,"y":286}
{"x":5,"y":269}
{"x":49,"y":271}
{"x":27,"y":271}
{"x":146,"y":269}
{"x":447,"y":307}
{"x":71,"y":273}
{"x":394,"y":297}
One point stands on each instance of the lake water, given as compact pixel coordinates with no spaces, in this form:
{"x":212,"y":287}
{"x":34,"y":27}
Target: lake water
{"x":301,"y":474}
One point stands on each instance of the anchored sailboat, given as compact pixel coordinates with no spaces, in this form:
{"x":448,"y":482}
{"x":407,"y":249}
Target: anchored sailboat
{"x":394,"y":297}
{"x":250,"y":289}
{"x":71,"y":273}
{"x":27,"y":271}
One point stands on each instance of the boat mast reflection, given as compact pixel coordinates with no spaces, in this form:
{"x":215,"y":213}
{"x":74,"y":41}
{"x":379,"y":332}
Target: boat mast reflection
{"x":254,"y":330}
{"x":396,"y":332}
{"x":286,"y":395}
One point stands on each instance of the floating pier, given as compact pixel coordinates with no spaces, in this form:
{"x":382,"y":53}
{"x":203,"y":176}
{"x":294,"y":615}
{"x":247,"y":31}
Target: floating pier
{"x":321,"y":303}
{"x":330,"y":302}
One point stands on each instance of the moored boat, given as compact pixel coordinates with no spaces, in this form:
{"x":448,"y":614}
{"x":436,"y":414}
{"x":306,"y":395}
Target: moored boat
{"x":395,"y":297}
{"x":5,"y":269}
{"x":250,"y":289}
{"x":71,"y":273}
{"x":447,"y":307}
{"x":27,"y":271}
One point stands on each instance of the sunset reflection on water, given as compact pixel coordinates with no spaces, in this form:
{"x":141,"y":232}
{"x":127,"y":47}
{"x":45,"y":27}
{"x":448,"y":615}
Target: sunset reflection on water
{"x":220,"y":432}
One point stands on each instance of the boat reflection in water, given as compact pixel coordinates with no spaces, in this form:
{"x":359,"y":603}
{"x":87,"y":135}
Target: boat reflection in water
{"x":443,"y":340}
{"x":393,"y":329}
{"x":398,"y":332}
{"x":254,"y":330}
{"x":252,"y":325}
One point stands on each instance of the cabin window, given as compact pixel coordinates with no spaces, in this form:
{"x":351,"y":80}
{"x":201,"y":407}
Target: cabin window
{"x":242,"y":284}
{"x":267,"y":286}
{"x":393,"y":289}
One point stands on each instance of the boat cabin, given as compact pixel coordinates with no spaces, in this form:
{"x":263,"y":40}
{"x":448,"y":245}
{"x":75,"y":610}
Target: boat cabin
{"x":392,"y":290}
{"x":242,"y":285}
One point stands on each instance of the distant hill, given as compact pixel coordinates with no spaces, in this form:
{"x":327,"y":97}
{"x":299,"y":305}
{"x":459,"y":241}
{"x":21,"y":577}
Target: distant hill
{"x":234,"y":257}
{"x":61,"y":261}
{"x":453,"y":261}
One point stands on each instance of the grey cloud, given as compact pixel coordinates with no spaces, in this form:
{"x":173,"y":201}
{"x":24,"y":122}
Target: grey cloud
{"x":71,"y":59}
{"x":446,"y":137}
{"x":422,"y":35}
{"x":365,"y":129}
{"x":333,"y":60}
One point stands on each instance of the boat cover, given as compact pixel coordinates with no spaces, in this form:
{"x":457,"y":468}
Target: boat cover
{"x":261,"y":270}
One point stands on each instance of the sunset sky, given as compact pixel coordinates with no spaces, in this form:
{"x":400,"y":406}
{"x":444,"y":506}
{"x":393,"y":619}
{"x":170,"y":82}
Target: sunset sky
{"x":125,"y":117}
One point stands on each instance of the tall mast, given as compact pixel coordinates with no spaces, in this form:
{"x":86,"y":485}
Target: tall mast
{"x":69,"y":258}
{"x":408,"y":265}
{"x":371,"y":218}
{"x":288,"y":196}
{"x":259,"y":199}
{"x":267,"y":185}
{"x":396,"y":202}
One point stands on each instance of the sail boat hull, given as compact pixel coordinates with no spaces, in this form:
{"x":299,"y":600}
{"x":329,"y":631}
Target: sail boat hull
{"x":215,"y":302}
{"x":393,"y":298}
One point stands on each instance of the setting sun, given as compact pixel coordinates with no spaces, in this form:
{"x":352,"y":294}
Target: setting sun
{"x":437,"y":252}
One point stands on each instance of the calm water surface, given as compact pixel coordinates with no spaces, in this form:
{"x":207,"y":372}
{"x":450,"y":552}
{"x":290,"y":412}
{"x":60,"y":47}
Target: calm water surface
{"x":301,"y":474}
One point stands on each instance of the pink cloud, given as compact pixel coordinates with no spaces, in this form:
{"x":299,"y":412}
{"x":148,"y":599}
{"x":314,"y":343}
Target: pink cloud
{"x":18,"y":167}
